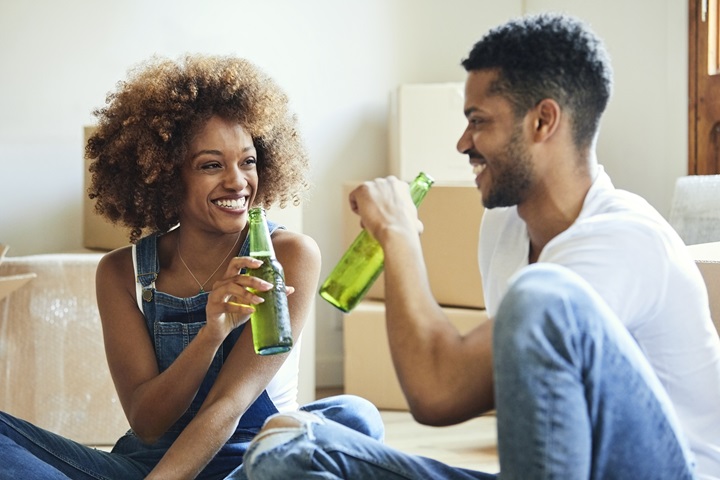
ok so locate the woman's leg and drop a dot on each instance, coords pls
(27, 451)
(575, 396)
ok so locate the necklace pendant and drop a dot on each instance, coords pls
(202, 290)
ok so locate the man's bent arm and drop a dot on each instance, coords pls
(446, 377)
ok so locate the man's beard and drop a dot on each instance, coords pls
(512, 176)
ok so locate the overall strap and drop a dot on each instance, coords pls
(147, 265)
(245, 248)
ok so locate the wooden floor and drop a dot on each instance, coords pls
(472, 444)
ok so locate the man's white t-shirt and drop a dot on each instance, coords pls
(632, 257)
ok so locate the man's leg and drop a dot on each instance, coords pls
(575, 396)
(302, 445)
(351, 411)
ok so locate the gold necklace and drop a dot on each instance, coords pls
(202, 285)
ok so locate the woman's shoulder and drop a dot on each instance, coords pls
(115, 263)
(294, 243)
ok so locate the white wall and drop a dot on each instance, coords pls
(338, 62)
(643, 138)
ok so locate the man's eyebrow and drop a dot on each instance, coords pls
(470, 110)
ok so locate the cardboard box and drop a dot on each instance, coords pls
(98, 233)
(451, 216)
(369, 370)
(424, 125)
(54, 372)
(707, 257)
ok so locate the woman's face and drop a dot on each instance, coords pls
(220, 177)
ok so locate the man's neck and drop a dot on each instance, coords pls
(554, 207)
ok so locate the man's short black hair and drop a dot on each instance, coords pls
(548, 56)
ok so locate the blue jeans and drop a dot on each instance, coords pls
(29, 452)
(575, 399)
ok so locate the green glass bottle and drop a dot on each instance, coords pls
(363, 261)
(271, 328)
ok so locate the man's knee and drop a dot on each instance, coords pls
(538, 290)
(282, 431)
(281, 422)
(289, 422)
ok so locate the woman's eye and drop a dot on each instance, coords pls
(210, 166)
(250, 161)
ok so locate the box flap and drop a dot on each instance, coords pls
(705, 252)
(707, 258)
(11, 283)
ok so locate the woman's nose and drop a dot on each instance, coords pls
(235, 179)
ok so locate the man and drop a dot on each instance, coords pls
(600, 356)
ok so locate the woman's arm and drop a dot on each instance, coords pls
(152, 401)
(245, 374)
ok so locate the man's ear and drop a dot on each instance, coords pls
(546, 118)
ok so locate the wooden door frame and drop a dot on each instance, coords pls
(693, 32)
(703, 88)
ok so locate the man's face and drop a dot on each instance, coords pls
(495, 143)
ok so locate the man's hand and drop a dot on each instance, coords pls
(385, 203)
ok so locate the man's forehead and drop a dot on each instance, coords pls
(480, 81)
(479, 89)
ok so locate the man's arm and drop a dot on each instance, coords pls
(446, 377)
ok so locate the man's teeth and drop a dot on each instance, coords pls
(477, 169)
(234, 203)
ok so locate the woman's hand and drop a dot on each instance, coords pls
(231, 301)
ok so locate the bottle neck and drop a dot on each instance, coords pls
(259, 239)
(420, 187)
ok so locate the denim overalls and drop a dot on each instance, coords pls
(27, 451)
(172, 324)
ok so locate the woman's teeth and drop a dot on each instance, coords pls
(234, 203)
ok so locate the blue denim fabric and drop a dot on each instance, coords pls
(173, 323)
(575, 397)
(329, 450)
(29, 452)
(338, 446)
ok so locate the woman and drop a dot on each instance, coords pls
(182, 150)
